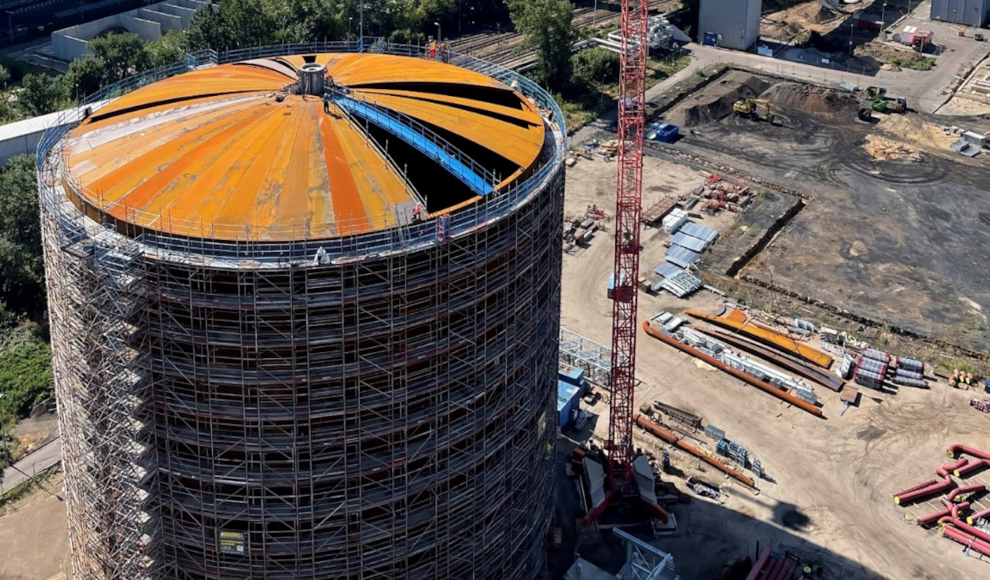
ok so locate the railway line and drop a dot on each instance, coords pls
(504, 48)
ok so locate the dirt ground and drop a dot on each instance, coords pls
(811, 16)
(34, 542)
(833, 478)
(897, 237)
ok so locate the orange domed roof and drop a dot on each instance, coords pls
(237, 152)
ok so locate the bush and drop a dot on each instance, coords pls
(25, 378)
(915, 62)
(596, 66)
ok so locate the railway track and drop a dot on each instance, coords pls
(503, 49)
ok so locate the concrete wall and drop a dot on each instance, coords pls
(968, 12)
(168, 22)
(150, 23)
(736, 21)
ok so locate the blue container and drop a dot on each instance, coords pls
(710, 39)
(667, 133)
(572, 375)
(568, 398)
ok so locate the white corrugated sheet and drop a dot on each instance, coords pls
(22, 137)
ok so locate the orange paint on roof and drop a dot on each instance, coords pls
(234, 153)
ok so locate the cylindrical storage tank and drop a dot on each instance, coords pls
(300, 339)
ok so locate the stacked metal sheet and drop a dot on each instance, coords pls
(690, 242)
(667, 270)
(681, 284)
(708, 235)
(682, 257)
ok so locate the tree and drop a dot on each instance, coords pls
(122, 54)
(40, 94)
(22, 272)
(86, 76)
(4, 76)
(229, 25)
(168, 49)
(596, 65)
(547, 26)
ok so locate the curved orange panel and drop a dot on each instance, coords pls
(228, 152)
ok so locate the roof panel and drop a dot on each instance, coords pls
(233, 152)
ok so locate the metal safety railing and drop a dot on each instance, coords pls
(244, 241)
(430, 136)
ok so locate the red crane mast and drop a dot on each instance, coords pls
(628, 203)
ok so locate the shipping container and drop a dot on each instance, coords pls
(572, 375)
(568, 399)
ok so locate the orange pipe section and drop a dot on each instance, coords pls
(763, 386)
(675, 440)
(733, 321)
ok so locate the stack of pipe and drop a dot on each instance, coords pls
(956, 529)
(768, 567)
(932, 487)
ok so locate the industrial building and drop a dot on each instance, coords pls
(967, 12)
(305, 314)
(731, 24)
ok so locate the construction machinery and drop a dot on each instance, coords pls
(628, 202)
(754, 109)
(881, 103)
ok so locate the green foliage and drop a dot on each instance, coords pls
(596, 66)
(40, 94)
(547, 26)
(168, 49)
(86, 76)
(914, 62)
(122, 55)
(25, 378)
(21, 264)
(230, 25)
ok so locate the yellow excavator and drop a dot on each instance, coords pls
(753, 108)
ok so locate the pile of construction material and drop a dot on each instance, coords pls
(733, 450)
(982, 405)
(962, 380)
(660, 210)
(689, 242)
(674, 220)
(875, 367)
(964, 521)
(579, 230)
(721, 195)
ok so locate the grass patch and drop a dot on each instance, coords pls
(916, 62)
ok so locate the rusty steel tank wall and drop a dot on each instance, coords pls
(382, 408)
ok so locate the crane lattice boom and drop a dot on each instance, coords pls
(628, 201)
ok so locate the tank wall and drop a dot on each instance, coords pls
(382, 418)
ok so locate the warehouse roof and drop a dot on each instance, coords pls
(238, 152)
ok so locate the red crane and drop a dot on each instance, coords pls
(628, 202)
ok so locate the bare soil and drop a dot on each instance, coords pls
(34, 540)
(833, 479)
(811, 16)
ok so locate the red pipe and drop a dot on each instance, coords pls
(982, 536)
(947, 483)
(971, 519)
(944, 515)
(963, 538)
(754, 573)
(972, 466)
(961, 490)
(928, 483)
(959, 448)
